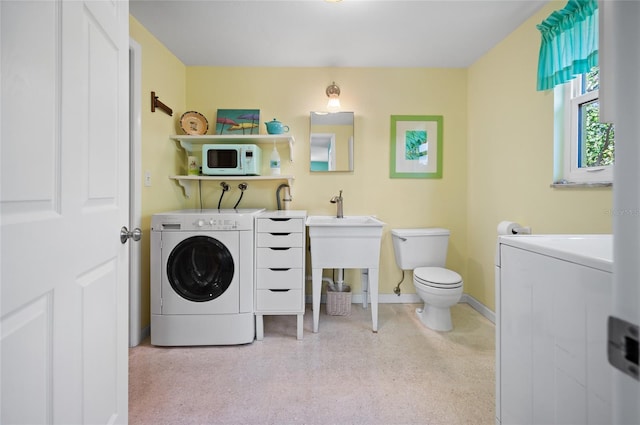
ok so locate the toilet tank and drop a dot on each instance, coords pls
(426, 247)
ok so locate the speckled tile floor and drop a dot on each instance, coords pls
(345, 374)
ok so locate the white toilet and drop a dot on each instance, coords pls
(425, 252)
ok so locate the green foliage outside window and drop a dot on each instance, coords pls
(597, 140)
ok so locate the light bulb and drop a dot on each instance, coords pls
(334, 104)
(333, 93)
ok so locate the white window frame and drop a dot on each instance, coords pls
(567, 101)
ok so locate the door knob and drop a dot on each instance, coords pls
(125, 234)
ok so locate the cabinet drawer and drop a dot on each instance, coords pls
(284, 240)
(279, 258)
(279, 279)
(278, 225)
(279, 300)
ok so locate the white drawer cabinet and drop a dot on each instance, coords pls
(279, 278)
(277, 240)
(280, 247)
(276, 300)
(278, 258)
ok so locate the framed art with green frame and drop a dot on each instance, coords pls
(416, 147)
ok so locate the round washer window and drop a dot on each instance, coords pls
(200, 268)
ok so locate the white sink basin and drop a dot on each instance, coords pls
(349, 242)
(348, 221)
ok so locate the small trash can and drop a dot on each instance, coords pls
(339, 303)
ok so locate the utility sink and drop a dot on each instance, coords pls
(349, 242)
(352, 220)
(352, 242)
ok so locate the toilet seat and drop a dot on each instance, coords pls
(437, 277)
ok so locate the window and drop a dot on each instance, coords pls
(584, 145)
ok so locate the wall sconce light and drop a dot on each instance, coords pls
(333, 93)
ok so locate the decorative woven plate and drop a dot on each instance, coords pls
(194, 123)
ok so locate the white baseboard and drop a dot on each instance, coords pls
(415, 299)
(390, 299)
(479, 307)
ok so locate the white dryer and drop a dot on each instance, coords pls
(202, 275)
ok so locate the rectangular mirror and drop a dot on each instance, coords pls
(331, 141)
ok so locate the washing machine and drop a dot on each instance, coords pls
(202, 275)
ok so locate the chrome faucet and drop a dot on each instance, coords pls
(338, 200)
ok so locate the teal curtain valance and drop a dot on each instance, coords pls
(569, 44)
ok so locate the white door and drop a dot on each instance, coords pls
(63, 199)
(620, 57)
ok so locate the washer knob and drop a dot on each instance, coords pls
(200, 223)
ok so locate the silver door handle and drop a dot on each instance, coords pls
(125, 234)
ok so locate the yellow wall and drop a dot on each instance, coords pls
(289, 94)
(163, 73)
(510, 151)
(498, 149)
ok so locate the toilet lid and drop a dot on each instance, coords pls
(437, 275)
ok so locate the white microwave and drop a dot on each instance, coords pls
(231, 160)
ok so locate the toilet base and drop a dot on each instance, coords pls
(435, 318)
(436, 312)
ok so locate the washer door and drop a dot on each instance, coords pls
(200, 272)
(200, 268)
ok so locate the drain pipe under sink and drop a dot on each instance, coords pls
(328, 281)
(340, 280)
(364, 281)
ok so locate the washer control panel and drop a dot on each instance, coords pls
(205, 220)
(215, 224)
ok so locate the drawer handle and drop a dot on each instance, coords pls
(279, 249)
(279, 219)
(279, 290)
(280, 269)
(280, 234)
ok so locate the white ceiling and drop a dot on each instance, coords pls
(317, 33)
